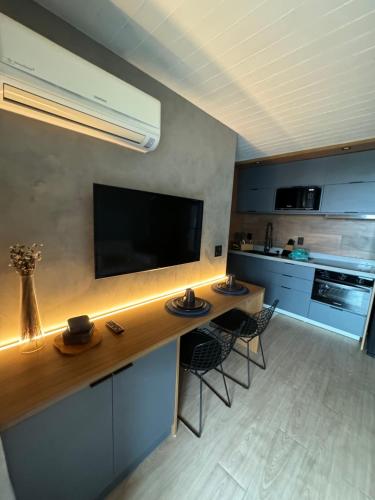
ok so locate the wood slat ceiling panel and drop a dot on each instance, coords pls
(286, 75)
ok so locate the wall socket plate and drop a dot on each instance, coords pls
(218, 250)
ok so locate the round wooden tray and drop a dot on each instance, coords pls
(73, 350)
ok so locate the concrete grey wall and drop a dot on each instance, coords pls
(46, 177)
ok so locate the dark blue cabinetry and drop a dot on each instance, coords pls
(77, 447)
(65, 451)
(348, 183)
(143, 405)
(338, 318)
(353, 197)
(292, 285)
(259, 200)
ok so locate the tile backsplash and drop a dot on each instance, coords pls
(346, 237)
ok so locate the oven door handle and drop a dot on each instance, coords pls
(337, 305)
(337, 308)
(342, 285)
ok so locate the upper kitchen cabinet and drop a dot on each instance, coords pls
(352, 197)
(348, 183)
(254, 177)
(353, 167)
(259, 200)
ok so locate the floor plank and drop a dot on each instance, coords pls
(305, 430)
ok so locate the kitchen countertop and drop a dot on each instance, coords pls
(357, 267)
(31, 382)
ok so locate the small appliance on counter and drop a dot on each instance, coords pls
(300, 254)
(188, 305)
(79, 331)
(289, 247)
(243, 242)
(80, 336)
(230, 287)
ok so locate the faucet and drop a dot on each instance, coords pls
(268, 243)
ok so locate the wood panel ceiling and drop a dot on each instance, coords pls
(286, 75)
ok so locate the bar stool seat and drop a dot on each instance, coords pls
(235, 321)
(246, 327)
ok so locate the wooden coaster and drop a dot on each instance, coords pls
(73, 350)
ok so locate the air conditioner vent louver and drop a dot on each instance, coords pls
(41, 80)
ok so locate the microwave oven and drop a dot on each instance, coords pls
(298, 198)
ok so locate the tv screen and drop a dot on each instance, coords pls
(138, 231)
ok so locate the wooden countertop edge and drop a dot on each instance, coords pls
(85, 382)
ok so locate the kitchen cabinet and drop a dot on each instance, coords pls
(291, 300)
(295, 270)
(353, 197)
(348, 183)
(290, 283)
(143, 406)
(256, 271)
(255, 199)
(336, 317)
(77, 447)
(65, 451)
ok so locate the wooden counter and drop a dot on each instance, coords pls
(31, 382)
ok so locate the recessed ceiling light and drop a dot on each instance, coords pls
(346, 148)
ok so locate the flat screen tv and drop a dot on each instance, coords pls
(138, 230)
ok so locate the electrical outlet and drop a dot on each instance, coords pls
(300, 240)
(218, 250)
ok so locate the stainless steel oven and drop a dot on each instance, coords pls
(345, 291)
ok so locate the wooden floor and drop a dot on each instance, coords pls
(304, 430)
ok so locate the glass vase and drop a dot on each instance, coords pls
(31, 330)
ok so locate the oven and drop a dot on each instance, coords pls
(345, 291)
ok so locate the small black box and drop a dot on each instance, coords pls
(79, 324)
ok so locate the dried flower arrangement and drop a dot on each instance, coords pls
(24, 258)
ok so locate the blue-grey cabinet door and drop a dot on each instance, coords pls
(255, 199)
(294, 301)
(143, 406)
(65, 451)
(353, 197)
(338, 318)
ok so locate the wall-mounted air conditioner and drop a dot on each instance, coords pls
(44, 81)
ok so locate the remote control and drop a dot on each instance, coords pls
(115, 327)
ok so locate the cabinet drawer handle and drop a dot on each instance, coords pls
(99, 381)
(126, 367)
(288, 275)
(251, 211)
(286, 287)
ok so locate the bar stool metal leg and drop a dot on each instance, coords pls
(226, 401)
(245, 385)
(198, 433)
(263, 365)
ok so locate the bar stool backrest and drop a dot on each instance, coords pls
(261, 318)
(208, 355)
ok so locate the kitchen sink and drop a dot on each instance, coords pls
(261, 252)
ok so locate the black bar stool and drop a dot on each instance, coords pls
(202, 350)
(246, 327)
